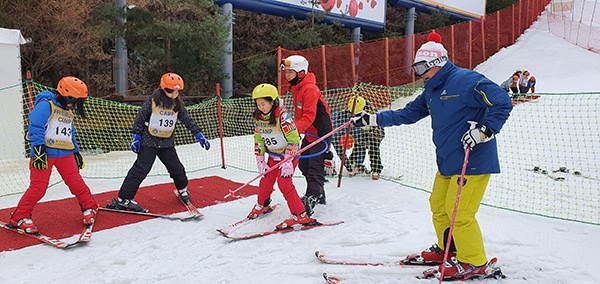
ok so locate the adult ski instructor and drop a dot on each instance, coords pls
(313, 119)
(454, 96)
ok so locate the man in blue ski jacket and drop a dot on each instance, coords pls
(454, 96)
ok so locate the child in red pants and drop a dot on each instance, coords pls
(275, 132)
(53, 143)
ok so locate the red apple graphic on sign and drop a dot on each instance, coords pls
(373, 3)
(327, 5)
(354, 7)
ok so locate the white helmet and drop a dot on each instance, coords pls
(296, 63)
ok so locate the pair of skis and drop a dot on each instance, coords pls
(83, 238)
(410, 261)
(281, 231)
(193, 210)
(564, 170)
(86, 235)
(539, 170)
(226, 232)
(574, 172)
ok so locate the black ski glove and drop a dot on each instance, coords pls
(363, 119)
(40, 158)
(79, 160)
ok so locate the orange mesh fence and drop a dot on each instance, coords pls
(387, 61)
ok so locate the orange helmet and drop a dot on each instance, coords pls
(72, 87)
(171, 81)
(532, 78)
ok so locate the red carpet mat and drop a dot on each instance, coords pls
(62, 218)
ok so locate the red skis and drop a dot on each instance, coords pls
(286, 230)
(84, 237)
(225, 231)
(190, 207)
(404, 262)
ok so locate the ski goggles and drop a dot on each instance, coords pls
(70, 100)
(285, 64)
(422, 67)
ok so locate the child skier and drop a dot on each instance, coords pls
(53, 143)
(514, 84)
(153, 135)
(372, 137)
(276, 134)
(532, 84)
(524, 82)
(354, 165)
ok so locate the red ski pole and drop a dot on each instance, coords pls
(220, 118)
(458, 192)
(30, 96)
(232, 192)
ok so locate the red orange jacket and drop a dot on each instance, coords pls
(311, 112)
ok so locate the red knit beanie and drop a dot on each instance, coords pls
(435, 37)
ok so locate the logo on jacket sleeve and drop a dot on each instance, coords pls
(287, 124)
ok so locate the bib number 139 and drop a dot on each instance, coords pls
(166, 122)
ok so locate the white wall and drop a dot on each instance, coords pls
(11, 110)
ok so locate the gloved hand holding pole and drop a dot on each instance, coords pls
(276, 166)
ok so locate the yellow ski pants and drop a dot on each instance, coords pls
(466, 234)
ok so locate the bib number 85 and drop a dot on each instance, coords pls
(270, 141)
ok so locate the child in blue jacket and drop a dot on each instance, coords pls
(53, 144)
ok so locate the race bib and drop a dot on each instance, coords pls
(59, 130)
(162, 121)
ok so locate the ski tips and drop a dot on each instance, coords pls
(331, 279)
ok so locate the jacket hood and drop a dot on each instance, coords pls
(44, 96)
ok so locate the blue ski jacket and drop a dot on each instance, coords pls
(38, 119)
(452, 97)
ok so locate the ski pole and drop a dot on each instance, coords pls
(220, 120)
(354, 98)
(458, 192)
(232, 192)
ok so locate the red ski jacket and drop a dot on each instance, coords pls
(312, 114)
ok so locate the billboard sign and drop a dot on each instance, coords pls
(561, 6)
(459, 9)
(367, 14)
